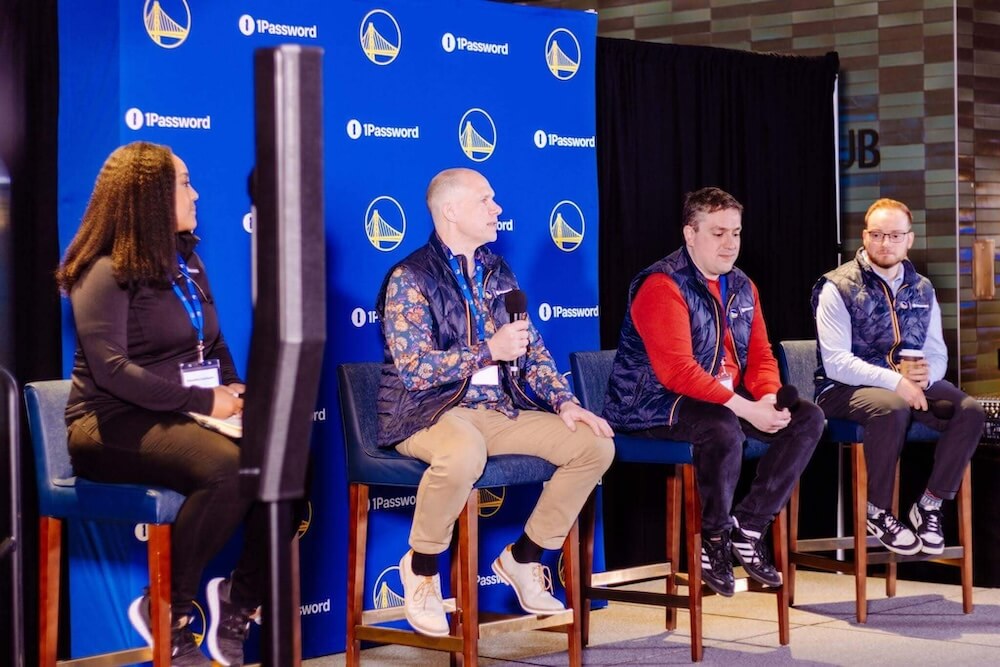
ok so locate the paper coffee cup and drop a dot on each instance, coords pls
(911, 355)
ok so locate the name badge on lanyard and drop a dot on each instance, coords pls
(200, 373)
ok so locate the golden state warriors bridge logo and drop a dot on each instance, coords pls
(567, 226)
(385, 223)
(380, 37)
(388, 589)
(477, 135)
(562, 54)
(168, 22)
(490, 501)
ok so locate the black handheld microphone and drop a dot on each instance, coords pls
(942, 409)
(516, 303)
(787, 397)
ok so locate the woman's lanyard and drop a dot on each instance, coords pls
(463, 284)
(192, 304)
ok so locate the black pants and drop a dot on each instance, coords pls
(162, 449)
(717, 436)
(885, 417)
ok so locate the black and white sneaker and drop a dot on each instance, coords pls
(927, 523)
(717, 564)
(751, 551)
(893, 534)
(184, 651)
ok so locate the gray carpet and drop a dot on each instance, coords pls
(922, 625)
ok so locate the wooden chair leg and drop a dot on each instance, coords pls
(692, 513)
(673, 530)
(571, 577)
(49, 557)
(779, 536)
(468, 563)
(587, 523)
(357, 540)
(965, 537)
(793, 542)
(860, 496)
(158, 550)
(891, 566)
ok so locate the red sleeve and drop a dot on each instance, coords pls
(761, 374)
(662, 319)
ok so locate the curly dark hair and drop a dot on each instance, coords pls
(131, 216)
(707, 200)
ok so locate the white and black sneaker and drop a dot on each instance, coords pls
(927, 523)
(893, 534)
(717, 564)
(751, 551)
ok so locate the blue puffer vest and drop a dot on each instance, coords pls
(636, 400)
(402, 412)
(881, 324)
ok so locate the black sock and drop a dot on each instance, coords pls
(526, 551)
(425, 565)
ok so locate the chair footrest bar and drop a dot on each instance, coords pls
(946, 558)
(502, 625)
(377, 616)
(407, 638)
(631, 575)
(638, 597)
(127, 657)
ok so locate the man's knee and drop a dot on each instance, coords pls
(810, 420)
(970, 411)
(603, 452)
(461, 465)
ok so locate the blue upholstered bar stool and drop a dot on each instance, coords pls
(369, 465)
(62, 496)
(591, 371)
(797, 363)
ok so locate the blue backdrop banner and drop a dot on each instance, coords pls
(410, 87)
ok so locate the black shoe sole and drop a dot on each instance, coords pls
(753, 575)
(726, 593)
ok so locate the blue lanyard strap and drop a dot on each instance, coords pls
(723, 292)
(463, 284)
(192, 304)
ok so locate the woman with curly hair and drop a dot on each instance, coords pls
(147, 337)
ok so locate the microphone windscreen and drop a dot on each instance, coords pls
(942, 409)
(516, 302)
(787, 397)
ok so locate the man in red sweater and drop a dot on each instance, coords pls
(694, 363)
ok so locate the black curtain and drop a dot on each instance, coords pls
(29, 100)
(672, 119)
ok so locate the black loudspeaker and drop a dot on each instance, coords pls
(289, 281)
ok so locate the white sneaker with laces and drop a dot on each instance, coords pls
(532, 583)
(422, 600)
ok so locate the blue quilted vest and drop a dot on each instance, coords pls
(636, 400)
(402, 412)
(881, 324)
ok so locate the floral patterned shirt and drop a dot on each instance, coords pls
(408, 330)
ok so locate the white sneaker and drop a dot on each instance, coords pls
(531, 582)
(422, 600)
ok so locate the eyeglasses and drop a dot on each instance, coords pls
(894, 237)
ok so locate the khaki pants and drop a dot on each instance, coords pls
(456, 448)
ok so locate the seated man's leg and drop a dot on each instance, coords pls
(456, 453)
(777, 473)
(717, 438)
(959, 438)
(582, 457)
(884, 416)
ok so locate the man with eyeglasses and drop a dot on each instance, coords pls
(868, 311)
